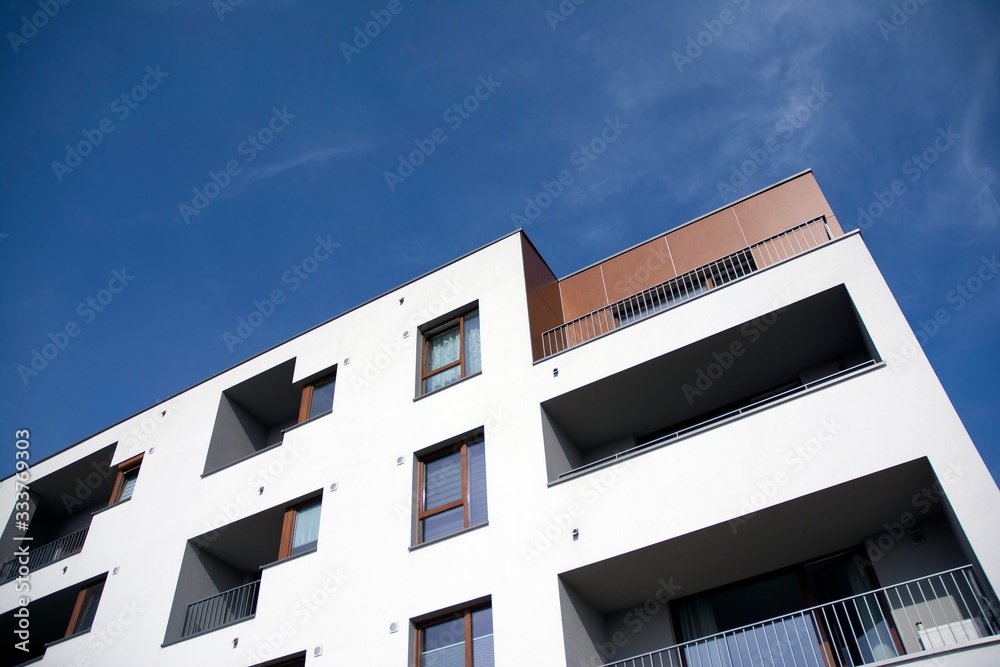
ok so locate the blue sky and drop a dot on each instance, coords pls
(167, 163)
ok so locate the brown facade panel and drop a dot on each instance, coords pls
(582, 293)
(706, 240)
(638, 269)
(541, 319)
(544, 301)
(782, 207)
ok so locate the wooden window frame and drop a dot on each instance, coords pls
(288, 525)
(466, 616)
(461, 446)
(124, 468)
(435, 331)
(78, 608)
(307, 394)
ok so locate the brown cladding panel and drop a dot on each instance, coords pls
(704, 241)
(638, 269)
(582, 293)
(544, 301)
(835, 227)
(783, 207)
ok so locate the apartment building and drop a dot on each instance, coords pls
(722, 447)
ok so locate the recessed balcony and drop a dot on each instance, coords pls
(221, 570)
(946, 609)
(748, 367)
(253, 416)
(857, 574)
(61, 508)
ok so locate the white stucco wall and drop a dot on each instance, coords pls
(364, 577)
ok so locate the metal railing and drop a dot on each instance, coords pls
(677, 290)
(46, 554)
(725, 416)
(228, 607)
(944, 609)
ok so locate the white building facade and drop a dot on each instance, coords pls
(720, 447)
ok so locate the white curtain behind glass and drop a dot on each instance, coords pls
(306, 526)
(472, 348)
(444, 349)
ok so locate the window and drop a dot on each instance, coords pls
(317, 398)
(85, 608)
(452, 490)
(451, 352)
(300, 530)
(128, 473)
(463, 639)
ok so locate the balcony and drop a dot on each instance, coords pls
(776, 357)
(252, 417)
(39, 557)
(61, 506)
(941, 610)
(869, 570)
(677, 290)
(232, 606)
(54, 617)
(221, 570)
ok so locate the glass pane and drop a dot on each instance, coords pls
(322, 398)
(442, 480)
(89, 608)
(443, 349)
(477, 482)
(482, 622)
(306, 531)
(445, 523)
(442, 379)
(128, 484)
(443, 644)
(443, 634)
(482, 637)
(482, 651)
(451, 656)
(472, 361)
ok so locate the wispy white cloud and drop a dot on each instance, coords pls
(310, 156)
(981, 175)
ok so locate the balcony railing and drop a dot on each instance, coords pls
(232, 606)
(714, 420)
(944, 609)
(39, 557)
(677, 290)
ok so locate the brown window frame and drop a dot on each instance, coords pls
(465, 614)
(307, 394)
(435, 331)
(288, 525)
(81, 596)
(461, 446)
(124, 468)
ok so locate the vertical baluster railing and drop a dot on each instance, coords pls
(222, 609)
(945, 609)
